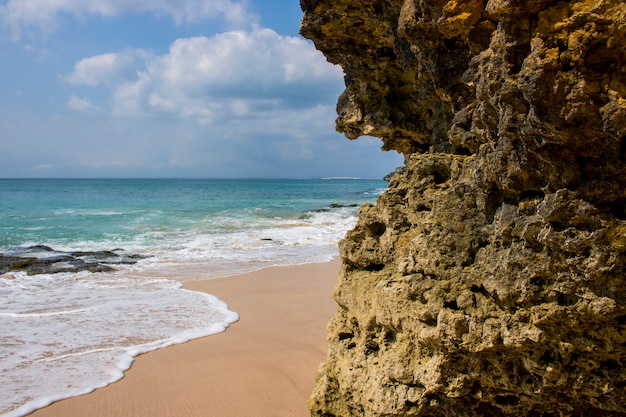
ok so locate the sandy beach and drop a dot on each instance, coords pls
(263, 365)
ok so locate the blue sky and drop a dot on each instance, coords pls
(170, 88)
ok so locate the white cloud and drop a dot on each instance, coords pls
(237, 74)
(129, 97)
(109, 69)
(244, 63)
(20, 15)
(82, 105)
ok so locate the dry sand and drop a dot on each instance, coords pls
(263, 365)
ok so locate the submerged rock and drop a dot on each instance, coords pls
(49, 261)
(490, 279)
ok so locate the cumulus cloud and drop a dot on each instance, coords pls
(20, 15)
(245, 64)
(247, 102)
(255, 97)
(109, 69)
(233, 74)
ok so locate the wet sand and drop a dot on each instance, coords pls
(264, 365)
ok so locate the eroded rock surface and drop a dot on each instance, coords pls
(490, 278)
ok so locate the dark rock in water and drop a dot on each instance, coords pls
(65, 264)
(330, 207)
(92, 261)
(108, 257)
(336, 205)
(14, 263)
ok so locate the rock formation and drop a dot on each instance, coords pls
(41, 259)
(490, 277)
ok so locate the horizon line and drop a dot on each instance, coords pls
(195, 178)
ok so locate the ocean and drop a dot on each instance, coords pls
(66, 330)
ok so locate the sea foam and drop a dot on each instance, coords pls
(64, 335)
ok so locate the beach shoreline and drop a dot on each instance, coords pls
(262, 365)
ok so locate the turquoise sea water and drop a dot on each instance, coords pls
(65, 334)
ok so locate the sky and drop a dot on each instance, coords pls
(170, 88)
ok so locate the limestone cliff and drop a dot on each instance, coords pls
(490, 278)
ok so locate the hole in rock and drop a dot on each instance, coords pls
(411, 404)
(422, 207)
(452, 305)
(493, 200)
(430, 321)
(377, 228)
(537, 280)
(532, 195)
(616, 208)
(450, 44)
(345, 335)
(371, 346)
(534, 383)
(441, 175)
(375, 267)
(462, 150)
(610, 364)
(547, 358)
(516, 54)
(566, 299)
(479, 290)
(387, 53)
(558, 226)
(390, 337)
(507, 400)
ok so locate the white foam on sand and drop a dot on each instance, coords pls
(65, 335)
